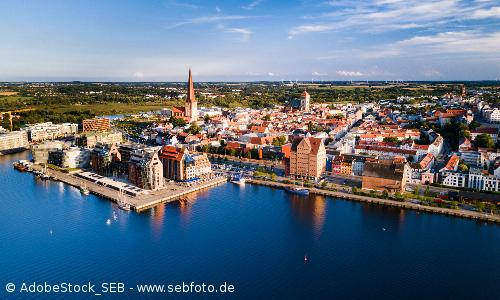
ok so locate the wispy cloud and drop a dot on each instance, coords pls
(457, 42)
(272, 74)
(138, 75)
(181, 4)
(319, 74)
(386, 15)
(252, 5)
(217, 9)
(429, 72)
(493, 12)
(212, 19)
(245, 33)
(344, 73)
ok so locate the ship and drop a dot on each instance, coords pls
(297, 190)
(238, 179)
(21, 165)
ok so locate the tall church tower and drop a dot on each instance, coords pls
(191, 105)
(304, 101)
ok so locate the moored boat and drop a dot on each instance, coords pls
(20, 167)
(238, 179)
(297, 190)
(83, 189)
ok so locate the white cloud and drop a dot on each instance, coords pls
(217, 9)
(386, 15)
(456, 42)
(138, 75)
(429, 72)
(344, 73)
(250, 73)
(493, 12)
(175, 3)
(213, 19)
(319, 74)
(252, 5)
(272, 74)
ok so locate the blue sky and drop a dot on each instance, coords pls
(252, 40)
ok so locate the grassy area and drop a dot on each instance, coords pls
(8, 93)
(109, 108)
(14, 98)
(431, 194)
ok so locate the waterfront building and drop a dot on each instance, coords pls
(481, 180)
(13, 142)
(90, 139)
(307, 158)
(179, 165)
(103, 156)
(46, 131)
(384, 177)
(145, 169)
(70, 158)
(453, 178)
(98, 124)
(347, 166)
(40, 151)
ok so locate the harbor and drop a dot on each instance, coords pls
(119, 192)
(382, 202)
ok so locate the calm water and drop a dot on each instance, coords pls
(252, 237)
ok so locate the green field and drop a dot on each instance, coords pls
(14, 98)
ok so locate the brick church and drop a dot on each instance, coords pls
(190, 111)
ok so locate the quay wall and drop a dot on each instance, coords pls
(382, 202)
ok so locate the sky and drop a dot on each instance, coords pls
(254, 40)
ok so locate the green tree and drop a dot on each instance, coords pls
(267, 117)
(194, 129)
(385, 194)
(415, 191)
(391, 139)
(464, 134)
(310, 126)
(248, 155)
(354, 190)
(323, 184)
(398, 195)
(427, 190)
(273, 177)
(206, 118)
(410, 158)
(480, 206)
(484, 141)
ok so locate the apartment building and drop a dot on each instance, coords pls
(307, 158)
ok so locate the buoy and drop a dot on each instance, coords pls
(306, 257)
(51, 232)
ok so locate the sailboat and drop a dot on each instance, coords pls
(121, 203)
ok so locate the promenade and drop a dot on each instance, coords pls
(403, 205)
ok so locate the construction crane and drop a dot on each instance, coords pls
(11, 111)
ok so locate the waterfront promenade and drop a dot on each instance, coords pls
(171, 191)
(403, 205)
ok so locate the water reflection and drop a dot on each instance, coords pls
(309, 211)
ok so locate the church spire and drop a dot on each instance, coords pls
(190, 92)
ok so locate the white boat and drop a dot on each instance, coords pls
(238, 179)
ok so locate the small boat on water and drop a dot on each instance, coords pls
(297, 190)
(238, 179)
(83, 189)
(21, 165)
(124, 206)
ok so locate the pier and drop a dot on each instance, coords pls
(466, 214)
(138, 201)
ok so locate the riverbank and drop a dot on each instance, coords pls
(138, 202)
(403, 205)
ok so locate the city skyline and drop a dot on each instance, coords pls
(251, 40)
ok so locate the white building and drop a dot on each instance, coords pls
(13, 141)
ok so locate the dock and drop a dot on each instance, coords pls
(465, 214)
(141, 200)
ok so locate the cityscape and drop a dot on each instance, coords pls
(271, 150)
